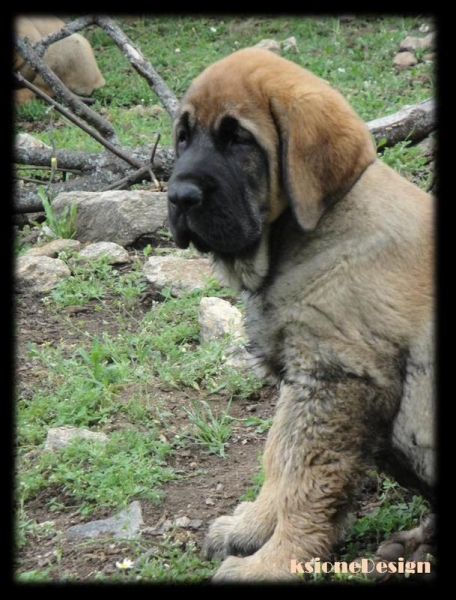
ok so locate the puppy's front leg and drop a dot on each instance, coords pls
(321, 442)
(252, 523)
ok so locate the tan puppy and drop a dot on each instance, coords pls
(278, 178)
(71, 59)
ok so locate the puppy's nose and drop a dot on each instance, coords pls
(185, 195)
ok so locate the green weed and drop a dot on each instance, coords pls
(94, 280)
(62, 226)
(210, 430)
(393, 513)
(128, 466)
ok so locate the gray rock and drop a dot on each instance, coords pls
(268, 44)
(238, 357)
(27, 141)
(115, 253)
(187, 523)
(218, 318)
(412, 44)
(115, 216)
(39, 274)
(164, 527)
(405, 60)
(53, 248)
(290, 45)
(429, 41)
(428, 147)
(59, 437)
(182, 522)
(177, 273)
(195, 523)
(45, 233)
(125, 524)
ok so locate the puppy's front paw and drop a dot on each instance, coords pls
(252, 569)
(216, 544)
(241, 534)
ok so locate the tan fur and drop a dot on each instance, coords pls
(347, 312)
(71, 59)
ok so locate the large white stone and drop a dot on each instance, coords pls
(113, 252)
(59, 437)
(115, 216)
(218, 318)
(39, 273)
(177, 273)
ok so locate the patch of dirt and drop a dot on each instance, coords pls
(208, 485)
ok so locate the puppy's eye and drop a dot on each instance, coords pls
(182, 137)
(242, 136)
(231, 132)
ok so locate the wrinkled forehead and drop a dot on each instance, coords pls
(211, 98)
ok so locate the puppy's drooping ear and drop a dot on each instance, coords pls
(324, 147)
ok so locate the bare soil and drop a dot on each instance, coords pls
(208, 485)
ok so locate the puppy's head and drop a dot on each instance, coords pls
(256, 133)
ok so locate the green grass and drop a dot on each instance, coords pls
(395, 512)
(95, 280)
(162, 347)
(210, 430)
(96, 475)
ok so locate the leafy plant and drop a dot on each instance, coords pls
(63, 226)
(259, 425)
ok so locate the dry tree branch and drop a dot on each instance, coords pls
(46, 168)
(74, 119)
(70, 159)
(410, 123)
(63, 94)
(139, 174)
(129, 179)
(139, 63)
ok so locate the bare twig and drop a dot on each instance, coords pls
(140, 174)
(69, 28)
(154, 149)
(62, 93)
(29, 180)
(152, 156)
(74, 119)
(139, 63)
(129, 179)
